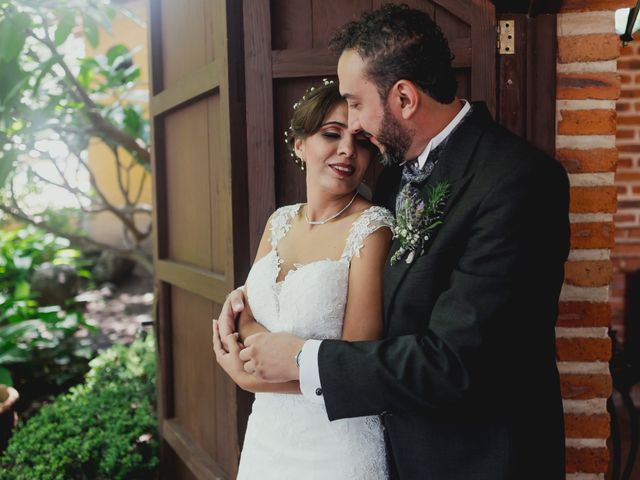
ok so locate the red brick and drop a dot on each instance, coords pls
(582, 6)
(587, 460)
(588, 85)
(623, 106)
(625, 162)
(587, 122)
(630, 93)
(637, 78)
(584, 387)
(624, 78)
(587, 426)
(592, 235)
(622, 190)
(631, 264)
(588, 48)
(584, 314)
(583, 349)
(628, 248)
(624, 218)
(593, 199)
(629, 148)
(631, 120)
(589, 273)
(585, 161)
(625, 134)
(629, 64)
(627, 177)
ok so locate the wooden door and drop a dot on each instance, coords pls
(201, 240)
(286, 52)
(225, 74)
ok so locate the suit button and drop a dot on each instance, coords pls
(318, 391)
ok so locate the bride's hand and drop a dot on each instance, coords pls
(233, 305)
(230, 360)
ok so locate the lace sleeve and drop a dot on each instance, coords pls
(281, 222)
(371, 220)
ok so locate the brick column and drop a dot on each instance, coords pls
(588, 87)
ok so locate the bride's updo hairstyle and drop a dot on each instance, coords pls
(308, 114)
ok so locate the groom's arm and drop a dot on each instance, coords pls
(521, 230)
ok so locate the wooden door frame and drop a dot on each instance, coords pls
(216, 75)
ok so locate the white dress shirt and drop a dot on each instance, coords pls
(309, 373)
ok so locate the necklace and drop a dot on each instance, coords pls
(322, 222)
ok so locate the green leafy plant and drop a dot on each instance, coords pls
(54, 104)
(105, 428)
(38, 341)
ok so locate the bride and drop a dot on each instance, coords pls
(317, 274)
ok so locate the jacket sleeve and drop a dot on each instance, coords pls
(518, 242)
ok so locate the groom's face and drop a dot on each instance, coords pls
(367, 112)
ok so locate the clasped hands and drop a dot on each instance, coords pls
(267, 357)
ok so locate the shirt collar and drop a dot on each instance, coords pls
(444, 133)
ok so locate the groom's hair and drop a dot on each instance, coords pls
(397, 42)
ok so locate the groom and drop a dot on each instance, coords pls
(465, 378)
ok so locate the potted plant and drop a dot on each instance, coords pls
(8, 416)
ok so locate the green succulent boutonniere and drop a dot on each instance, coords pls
(417, 220)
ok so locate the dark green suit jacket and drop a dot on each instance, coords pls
(466, 377)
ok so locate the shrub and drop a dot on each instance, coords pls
(38, 341)
(104, 428)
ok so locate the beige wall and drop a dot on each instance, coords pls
(105, 227)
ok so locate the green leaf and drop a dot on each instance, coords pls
(5, 377)
(23, 289)
(12, 36)
(65, 26)
(90, 28)
(7, 164)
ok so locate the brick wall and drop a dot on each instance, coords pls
(626, 254)
(587, 89)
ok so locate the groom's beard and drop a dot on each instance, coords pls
(395, 139)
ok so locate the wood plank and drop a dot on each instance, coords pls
(318, 62)
(309, 62)
(462, 51)
(189, 88)
(541, 83)
(199, 462)
(200, 281)
(512, 79)
(483, 55)
(460, 8)
(326, 22)
(292, 24)
(259, 117)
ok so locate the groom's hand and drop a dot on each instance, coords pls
(271, 356)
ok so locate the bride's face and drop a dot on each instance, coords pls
(335, 159)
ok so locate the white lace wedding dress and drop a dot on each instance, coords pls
(288, 437)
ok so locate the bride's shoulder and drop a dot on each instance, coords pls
(377, 214)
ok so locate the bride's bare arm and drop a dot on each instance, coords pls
(364, 316)
(247, 325)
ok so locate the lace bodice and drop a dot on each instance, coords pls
(288, 437)
(310, 301)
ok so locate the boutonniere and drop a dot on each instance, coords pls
(417, 220)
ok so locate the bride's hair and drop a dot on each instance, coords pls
(309, 112)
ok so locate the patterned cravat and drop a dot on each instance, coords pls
(413, 176)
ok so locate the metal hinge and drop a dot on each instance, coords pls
(506, 37)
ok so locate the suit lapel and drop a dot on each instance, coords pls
(455, 167)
